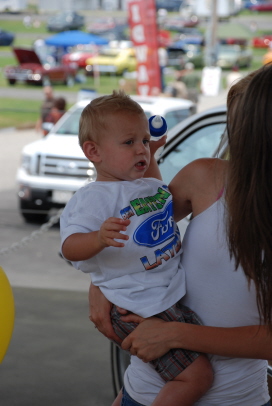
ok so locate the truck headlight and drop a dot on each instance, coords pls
(25, 162)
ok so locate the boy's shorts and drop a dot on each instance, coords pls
(174, 361)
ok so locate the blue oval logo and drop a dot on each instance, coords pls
(156, 229)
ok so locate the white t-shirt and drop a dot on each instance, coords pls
(221, 297)
(145, 276)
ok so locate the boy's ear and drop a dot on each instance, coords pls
(91, 151)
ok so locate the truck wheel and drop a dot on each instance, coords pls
(12, 81)
(30, 214)
(119, 362)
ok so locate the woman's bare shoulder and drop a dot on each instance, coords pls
(203, 169)
(198, 185)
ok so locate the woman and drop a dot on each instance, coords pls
(227, 259)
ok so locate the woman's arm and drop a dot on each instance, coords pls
(154, 337)
(99, 313)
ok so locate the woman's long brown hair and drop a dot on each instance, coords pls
(249, 189)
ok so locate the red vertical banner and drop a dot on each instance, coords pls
(144, 35)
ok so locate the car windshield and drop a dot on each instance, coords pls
(112, 53)
(71, 124)
(202, 143)
(229, 49)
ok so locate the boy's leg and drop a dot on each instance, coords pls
(189, 386)
(188, 375)
(121, 328)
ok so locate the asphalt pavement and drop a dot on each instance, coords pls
(56, 357)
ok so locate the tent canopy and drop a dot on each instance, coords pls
(72, 38)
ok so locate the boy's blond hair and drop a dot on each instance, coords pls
(93, 119)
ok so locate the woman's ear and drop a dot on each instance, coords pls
(91, 151)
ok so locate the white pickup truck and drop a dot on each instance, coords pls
(54, 167)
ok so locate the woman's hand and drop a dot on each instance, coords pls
(155, 145)
(149, 340)
(99, 313)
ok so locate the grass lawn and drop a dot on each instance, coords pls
(15, 113)
(18, 27)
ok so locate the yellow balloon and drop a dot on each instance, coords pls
(7, 313)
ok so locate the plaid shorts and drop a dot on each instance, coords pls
(175, 361)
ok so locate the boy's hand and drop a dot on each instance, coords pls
(155, 145)
(111, 230)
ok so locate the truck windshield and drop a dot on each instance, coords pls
(71, 125)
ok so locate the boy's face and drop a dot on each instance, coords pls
(124, 147)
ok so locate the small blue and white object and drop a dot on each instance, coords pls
(157, 128)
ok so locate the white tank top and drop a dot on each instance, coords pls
(221, 297)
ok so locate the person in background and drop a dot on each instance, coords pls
(56, 112)
(46, 106)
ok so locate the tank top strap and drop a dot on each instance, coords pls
(220, 193)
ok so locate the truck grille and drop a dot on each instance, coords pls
(48, 165)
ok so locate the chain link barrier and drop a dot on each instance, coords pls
(35, 234)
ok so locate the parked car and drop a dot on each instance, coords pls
(181, 24)
(248, 4)
(179, 53)
(78, 58)
(31, 69)
(234, 55)
(264, 6)
(169, 5)
(113, 61)
(118, 33)
(262, 42)
(69, 20)
(101, 24)
(54, 167)
(6, 38)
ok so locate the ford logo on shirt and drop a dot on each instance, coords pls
(156, 229)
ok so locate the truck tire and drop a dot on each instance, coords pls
(12, 81)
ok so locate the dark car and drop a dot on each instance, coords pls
(31, 69)
(180, 52)
(66, 21)
(6, 38)
(169, 5)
